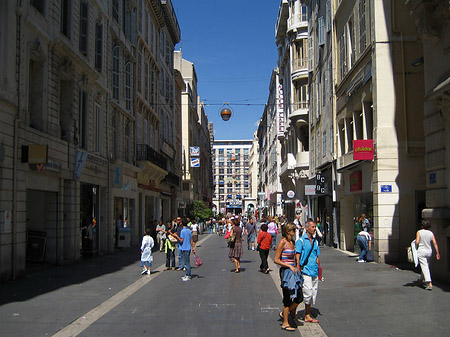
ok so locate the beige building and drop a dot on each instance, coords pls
(86, 107)
(291, 34)
(431, 20)
(196, 184)
(377, 93)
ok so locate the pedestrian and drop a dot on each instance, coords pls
(290, 276)
(424, 239)
(307, 257)
(160, 235)
(264, 241)
(194, 229)
(236, 251)
(319, 234)
(146, 252)
(185, 238)
(169, 246)
(365, 223)
(178, 244)
(273, 231)
(364, 240)
(298, 226)
(250, 232)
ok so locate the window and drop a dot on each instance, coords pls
(84, 28)
(115, 143)
(351, 41)
(146, 74)
(139, 16)
(324, 143)
(310, 54)
(328, 15)
(97, 125)
(362, 26)
(98, 46)
(115, 72)
(35, 95)
(321, 34)
(342, 55)
(82, 119)
(115, 10)
(65, 110)
(39, 5)
(127, 137)
(147, 23)
(139, 128)
(128, 86)
(65, 17)
(304, 13)
(324, 87)
(139, 70)
(153, 89)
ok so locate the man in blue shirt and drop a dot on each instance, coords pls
(185, 239)
(307, 257)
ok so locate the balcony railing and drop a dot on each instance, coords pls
(300, 105)
(172, 178)
(146, 153)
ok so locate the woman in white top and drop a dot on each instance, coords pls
(194, 229)
(424, 239)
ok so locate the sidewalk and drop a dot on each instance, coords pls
(371, 299)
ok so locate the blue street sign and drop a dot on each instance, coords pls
(386, 188)
(195, 162)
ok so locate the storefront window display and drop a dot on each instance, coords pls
(363, 219)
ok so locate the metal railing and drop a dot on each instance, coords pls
(145, 152)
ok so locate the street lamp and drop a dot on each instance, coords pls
(225, 112)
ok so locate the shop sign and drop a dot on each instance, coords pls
(117, 175)
(356, 181)
(310, 189)
(37, 153)
(195, 162)
(363, 149)
(290, 194)
(432, 178)
(195, 151)
(320, 183)
(7, 228)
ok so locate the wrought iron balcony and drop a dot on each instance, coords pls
(173, 179)
(146, 153)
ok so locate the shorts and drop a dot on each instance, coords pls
(251, 237)
(310, 285)
(195, 238)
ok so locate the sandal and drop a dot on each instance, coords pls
(312, 320)
(288, 328)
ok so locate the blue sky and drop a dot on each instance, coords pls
(232, 45)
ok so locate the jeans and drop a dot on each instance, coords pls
(362, 242)
(186, 260)
(180, 259)
(263, 254)
(170, 256)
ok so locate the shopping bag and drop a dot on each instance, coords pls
(369, 256)
(198, 261)
(409, 254)
(320, 273)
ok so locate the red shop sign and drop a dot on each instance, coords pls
(356, 181)
(363, 149)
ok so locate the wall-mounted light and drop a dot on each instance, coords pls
(417, 62)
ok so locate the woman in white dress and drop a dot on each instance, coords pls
(424, 239)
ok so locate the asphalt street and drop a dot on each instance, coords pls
(107, 296)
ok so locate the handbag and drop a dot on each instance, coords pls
(369, 256)
(231, 240)
(198, 260)
(227, 235)
(409, 254)
(321, 273)
(172, 239)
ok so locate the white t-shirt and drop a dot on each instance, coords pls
(426, 240)
(194, 227)
(367, 235)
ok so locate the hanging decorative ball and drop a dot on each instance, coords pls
(225, 112)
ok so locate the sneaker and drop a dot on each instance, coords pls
(361, 261)
(184, 269)
(185, 278)
(428, 287)
(148, 272)
(144, 272)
